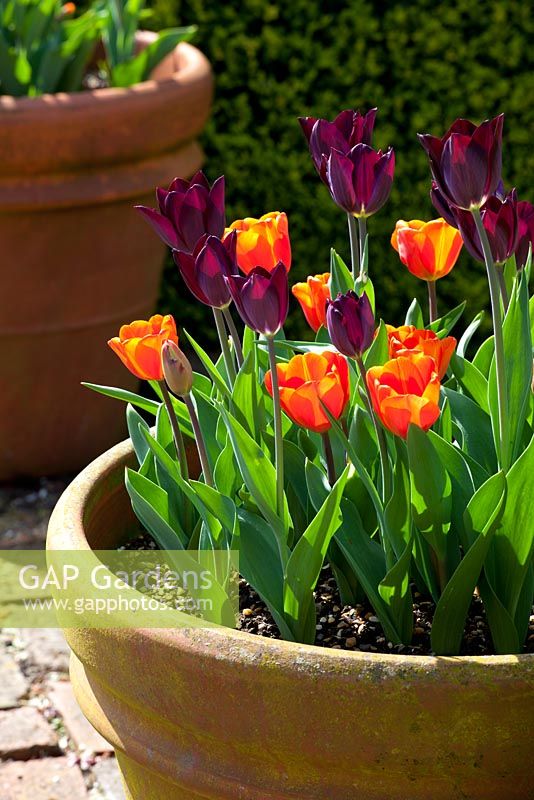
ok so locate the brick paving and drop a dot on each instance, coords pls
(48, 751)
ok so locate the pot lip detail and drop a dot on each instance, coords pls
(66, 531)
(192, 65)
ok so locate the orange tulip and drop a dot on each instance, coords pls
(407, 339)
(312, 296)
(139, 344)
(404, 392)
(308, 380)
(429, 249)
(262, 242)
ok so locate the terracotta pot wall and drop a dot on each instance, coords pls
(76, 259)
(224, 715)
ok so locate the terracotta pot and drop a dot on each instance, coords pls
(77, 260)
(225, 715)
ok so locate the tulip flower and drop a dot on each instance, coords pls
(351, 323)
(312, 296)
(203, 270)
(360, 181)
(429, 249)
(442, 206)
(187, 211)
(306, 382)
(262, 242)
(407, 339)
(525, 216)
(139, 344)
(261, 298)
(466, 162)
(500, 221)
(348, 129)
(404, 392)
(177, 369)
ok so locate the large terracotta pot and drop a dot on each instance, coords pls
(225, 715)
(77, 261)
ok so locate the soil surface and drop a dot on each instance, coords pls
(345, 627)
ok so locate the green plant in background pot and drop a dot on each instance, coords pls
(93, 112)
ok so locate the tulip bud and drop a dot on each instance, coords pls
(350, 322)
(177, 370)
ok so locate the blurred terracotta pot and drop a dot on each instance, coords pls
(77, 261)
(223, 715)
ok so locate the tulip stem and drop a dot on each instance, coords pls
(235, 336)
(364, 256)
(381, 439)
(329, 458)
(199, 438)
(500, 367)
(432, 301)
(176, 432)
(278, 437)
(225, 348)
(354, 246)
(502, 286)
(180, 452)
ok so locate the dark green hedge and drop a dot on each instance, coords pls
(423, 64)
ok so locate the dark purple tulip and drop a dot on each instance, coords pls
(187, 211)
(351, 323)
(500, 220)
(347, 130)
(466, 163)
(261, 298)
(203, 270)
(360, 181)
(441, 205)
(525, 215)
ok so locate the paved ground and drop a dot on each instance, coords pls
(48, 751)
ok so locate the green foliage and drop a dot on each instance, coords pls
(44, 48)
(423, 64)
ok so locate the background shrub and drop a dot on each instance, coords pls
(423, 64)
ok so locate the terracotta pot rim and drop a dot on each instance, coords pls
(193, 66)
(66, 531)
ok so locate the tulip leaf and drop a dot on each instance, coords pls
(398, 509)
(367, 560)
(259, 475)
(501, 624)
(518, 359)
(482, 516)
(128, 397)
(306, 561)
(317, 485)
(414, 315)
(443, 326)
(471, 380)
(341, 280)
(484, 355)
(210, 367)
(134, 422)
(394, 589)
(248, 398)
(261, 566)
(151, 505)
(468, 334)
(378, 353)
(431, 491)
(475, 428)
(226, 474)
(512, 547)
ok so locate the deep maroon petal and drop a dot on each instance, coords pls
(460, 125)
(495, 158)
(362, 130)
(186, 264)
(179, 185)
(200, 179)
(467, 227)
(441, 205)
(433, 148)
(210, 268)
(307, 123)
(191, 224)
(339, 174)
(215, 211)
(383, 181)
(280, 285)
(525, 214)
(465, 170)
(364, 159)
(161, 225)
(326, 136)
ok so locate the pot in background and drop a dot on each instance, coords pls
(77, 260)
